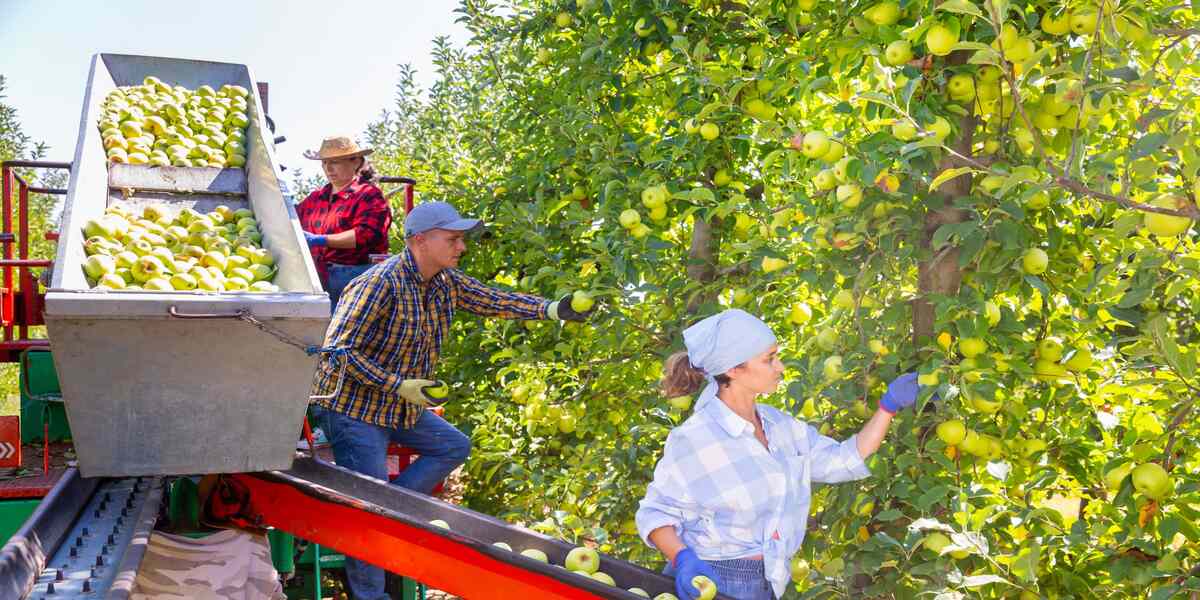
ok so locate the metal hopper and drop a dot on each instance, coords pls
(162, 383)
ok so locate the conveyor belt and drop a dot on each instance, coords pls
(355, 515)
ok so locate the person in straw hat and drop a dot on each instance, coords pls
(346, 220)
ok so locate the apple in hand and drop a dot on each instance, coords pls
(708, 589)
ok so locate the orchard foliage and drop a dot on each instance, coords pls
(998, 194)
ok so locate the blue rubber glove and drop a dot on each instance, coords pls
(315, 239)
(901, 393)
(687, 567)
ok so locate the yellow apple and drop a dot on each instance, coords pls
(940, 40)
(1168, 225)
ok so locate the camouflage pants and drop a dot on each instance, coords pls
(229, 564)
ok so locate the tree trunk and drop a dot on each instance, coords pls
(940, 274)
(702, 258)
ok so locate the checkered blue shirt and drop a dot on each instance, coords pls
(729, 497)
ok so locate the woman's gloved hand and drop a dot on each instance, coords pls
(688, 566)
(901, 393)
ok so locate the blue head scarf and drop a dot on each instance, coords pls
(722, 342)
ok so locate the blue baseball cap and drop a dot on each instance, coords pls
(436, 215)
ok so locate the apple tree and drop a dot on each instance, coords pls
(998, 194)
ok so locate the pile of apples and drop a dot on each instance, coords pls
(162, 125)
(585, 562)
(153, 249)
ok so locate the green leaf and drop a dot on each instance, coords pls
(1041, 286)
(1147, 145)
(960, 6)
(1126, 74)
(1165, 340)
(979, 580)
(922, 143)
(949, 174)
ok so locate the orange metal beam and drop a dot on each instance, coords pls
(437, 560)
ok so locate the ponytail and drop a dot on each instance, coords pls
(680, 377)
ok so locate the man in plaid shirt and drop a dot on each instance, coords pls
(389, 328)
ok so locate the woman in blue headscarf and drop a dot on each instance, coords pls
(730, 497)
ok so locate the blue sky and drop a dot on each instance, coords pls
(332, 66)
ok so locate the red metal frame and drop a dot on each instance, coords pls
(25, 294)
(435, 560)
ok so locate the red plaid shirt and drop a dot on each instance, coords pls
(361, 207)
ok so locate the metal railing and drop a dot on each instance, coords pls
(26, 295)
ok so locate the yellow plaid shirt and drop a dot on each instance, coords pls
(390, 323)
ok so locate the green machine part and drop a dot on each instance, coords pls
(41, 399)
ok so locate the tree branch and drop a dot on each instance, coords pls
(1083, 190)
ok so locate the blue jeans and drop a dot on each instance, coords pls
(740, 578)
(362, 448)
(339, 278)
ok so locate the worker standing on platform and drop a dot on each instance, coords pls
(346, 220)
(387, 331)
(730, 497)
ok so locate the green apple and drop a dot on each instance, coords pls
(951, 432)
(236, 284)
(158, 284)
(1084, 22)
(183, 281)
(1050, 349)
(213, 258)
(1152, 481)
(1050, 371)
(1168, 225)
(771, 264)
(844, 299)
(111, 281)
(263, 287)
(535, 554)
(440, 523)
(147, 268)
(637, 591)
(898, 53)
(209, 284)
(629, 218)
(800, 314)
(710, 131)
(263, 257)
(583, 559)
(260, 272)
(706, 586)
(503, 546)
(582, 301)
(940, 40)
(904, 130)
(815, 144)
(827, 339)
(1035, 261)
(1080, 361)
(884, 13)
(98, 265)
(849, 195)
(603, 577)
(940, 129)
(832, 368)
(654, 196)
(836, 151)
(1113, 477)
(680, 402)
(825, 180)
(961, 87)
(971, 346)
